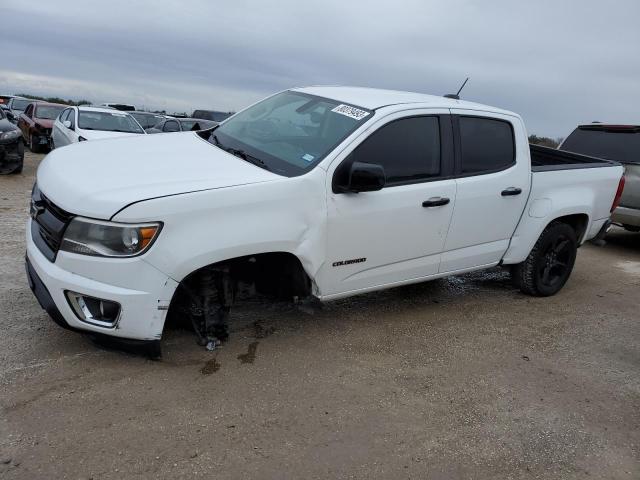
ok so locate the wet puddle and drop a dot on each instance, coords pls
(250, 356)
(211, 366)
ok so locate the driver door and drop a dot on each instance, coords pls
(396, 234)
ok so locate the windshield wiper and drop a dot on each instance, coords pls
(249, 158)
(240, 154)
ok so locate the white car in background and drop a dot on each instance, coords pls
(76, 124)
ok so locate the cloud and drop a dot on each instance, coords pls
(555, 63)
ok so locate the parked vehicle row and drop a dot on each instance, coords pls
(322, 192)
(169, 124)
(78, 124)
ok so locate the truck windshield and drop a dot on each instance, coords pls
(108, 122)
(289, 133)
(619, 143)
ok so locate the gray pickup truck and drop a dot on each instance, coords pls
(622, 144)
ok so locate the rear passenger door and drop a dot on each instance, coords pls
(493, 180)
(395, 234)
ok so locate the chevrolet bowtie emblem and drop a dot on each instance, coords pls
(35, 209)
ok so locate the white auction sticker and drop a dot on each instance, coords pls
(351, 112)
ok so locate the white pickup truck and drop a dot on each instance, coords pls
(319, 192)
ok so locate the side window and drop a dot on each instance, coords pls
(63, 116)
(171, 126)
(72, 117)
(29, 110)
(408, 149)
(487, 145)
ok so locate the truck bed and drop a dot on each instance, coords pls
(544, 159)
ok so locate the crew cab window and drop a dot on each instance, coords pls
(487, 145)
(408, 149)
(171, 126)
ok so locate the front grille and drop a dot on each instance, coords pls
(48, 224)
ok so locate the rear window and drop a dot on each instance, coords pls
(48, 112)
(487, 145)
(621, 145)
(108, 122)
(147, 120)
(20, 104)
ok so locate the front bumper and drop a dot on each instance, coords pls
(627, 216)
(143, 292)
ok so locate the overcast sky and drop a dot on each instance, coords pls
(557, 63)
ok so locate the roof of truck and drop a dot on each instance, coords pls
(373, 98)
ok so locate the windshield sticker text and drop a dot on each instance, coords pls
(351, 112)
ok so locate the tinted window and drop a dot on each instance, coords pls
(487, 144)
(408, 149)
(171, 126)
(620, 144)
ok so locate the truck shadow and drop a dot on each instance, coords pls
(622, 241)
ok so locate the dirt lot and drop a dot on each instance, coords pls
(458, 378)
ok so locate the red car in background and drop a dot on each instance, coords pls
(36, 123)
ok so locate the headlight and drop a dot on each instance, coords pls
(108, 239)
(10, 135)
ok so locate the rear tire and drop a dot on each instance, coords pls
(550, 262)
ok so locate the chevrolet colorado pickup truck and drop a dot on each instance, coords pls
(318, 193)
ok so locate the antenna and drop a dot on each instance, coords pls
(456, 96)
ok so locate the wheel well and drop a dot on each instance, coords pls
(277, 274)
(578, 222)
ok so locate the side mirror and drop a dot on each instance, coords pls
(366, 177)
(67, 123)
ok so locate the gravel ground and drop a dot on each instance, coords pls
(457, 378)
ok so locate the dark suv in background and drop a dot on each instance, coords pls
(11, 146)
(211, 115)
(622, 144)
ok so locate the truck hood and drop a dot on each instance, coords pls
(100, 177)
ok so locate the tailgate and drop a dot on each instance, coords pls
(631, 194)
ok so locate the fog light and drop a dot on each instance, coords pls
(96, 311)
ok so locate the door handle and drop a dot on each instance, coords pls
(435, 202)
(511, 191)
